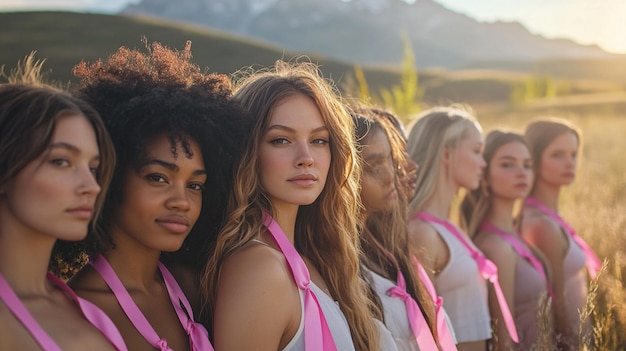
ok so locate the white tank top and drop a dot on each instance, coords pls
(464, 291)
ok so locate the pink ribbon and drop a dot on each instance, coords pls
(198, 336)
(445, 336)
(420, 329)
(521, 250)
(487, 269)
(591, 260)
(90, 311)
(317, 335)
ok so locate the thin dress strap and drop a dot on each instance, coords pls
(317, 335)
(487, 269)
(521, 250)
(591, 260)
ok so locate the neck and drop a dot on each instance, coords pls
(439, 204)
(134, 264)
(24, 261)
(501, 214)
(547, 194)
(285, 216)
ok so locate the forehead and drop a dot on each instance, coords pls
(512, 149)
(297, 112)
(567, 140)
(160, 147)
(375, 142)
(75, 129)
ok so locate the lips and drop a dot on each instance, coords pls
(304, 180)
(81, 212)
(174, 224)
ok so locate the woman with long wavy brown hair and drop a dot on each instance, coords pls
(289, 249)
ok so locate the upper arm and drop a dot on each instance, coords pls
(256, 297)
(428, 246)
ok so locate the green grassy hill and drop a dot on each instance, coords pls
(66, 38)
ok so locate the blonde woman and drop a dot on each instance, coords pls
(285, 273)
(447, 145)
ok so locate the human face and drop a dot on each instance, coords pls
(54, 195)
(510, 171)
(294, 154)
(468, 162)
(378, 189)
(558, 160)
(162, 201)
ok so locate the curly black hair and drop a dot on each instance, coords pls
(141, 95)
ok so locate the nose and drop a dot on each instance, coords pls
(483, 164)
(304, 158)
(178, 199)
(88, 184)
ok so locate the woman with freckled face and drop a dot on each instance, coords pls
(488, 214)
(554, 147)
(55, 159)
(285, 272)
(170, 124)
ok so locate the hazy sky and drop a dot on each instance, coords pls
(598, 22)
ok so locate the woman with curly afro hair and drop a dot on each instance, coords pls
(175, 130)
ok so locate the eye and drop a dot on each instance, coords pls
(279, 141)
(157, 178)
(196, 186)
(320, 141)
(61, 162)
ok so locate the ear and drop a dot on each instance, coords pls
(446, 155)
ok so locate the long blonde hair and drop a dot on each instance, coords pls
(435, 130)
(477, 203)
(326, 231)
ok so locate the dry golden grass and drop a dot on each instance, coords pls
(596, 206)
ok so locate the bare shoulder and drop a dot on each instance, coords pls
(256, 265)
(256, 293)
(536, 225)
(495, 248)
(422, 234)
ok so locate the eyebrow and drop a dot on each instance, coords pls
(506, 157)
(375, 156)
(69, 147)
(291, 130)
(171, 166)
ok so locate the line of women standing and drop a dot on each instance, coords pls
(302, 227)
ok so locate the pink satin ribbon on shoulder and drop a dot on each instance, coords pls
(487, 269)
(445, 336)
(198, 336)
(419, 326)
(91, 312)
(521, 250)
(591, 260)
(317, 335)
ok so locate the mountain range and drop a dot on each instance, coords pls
(372, 31)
